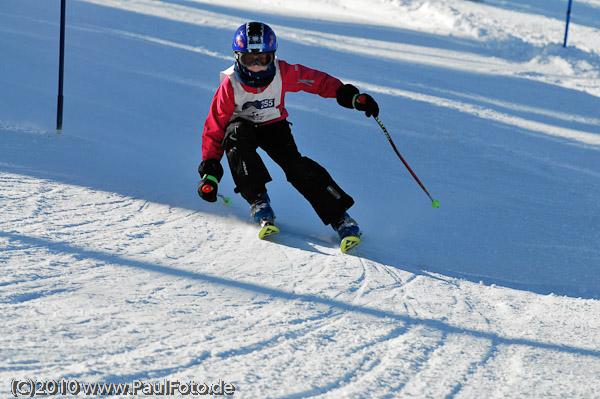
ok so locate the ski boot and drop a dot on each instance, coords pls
(348, 230)
(263, 214)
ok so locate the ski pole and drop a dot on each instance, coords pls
(434, 203)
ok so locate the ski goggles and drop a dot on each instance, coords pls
(250, 59)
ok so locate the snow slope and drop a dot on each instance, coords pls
(113, 270)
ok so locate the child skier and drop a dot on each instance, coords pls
(248, 112)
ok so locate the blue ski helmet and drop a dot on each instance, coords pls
(254, 37)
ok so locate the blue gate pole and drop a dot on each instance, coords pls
(567, 25)
(61, 68)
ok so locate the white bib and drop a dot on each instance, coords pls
(260, 107)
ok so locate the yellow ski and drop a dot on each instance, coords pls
(267, 231)
(348, 243)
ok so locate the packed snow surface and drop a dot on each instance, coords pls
(113, 270)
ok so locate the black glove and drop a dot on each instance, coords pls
(348, 96)
(364, 102)
(211, 172)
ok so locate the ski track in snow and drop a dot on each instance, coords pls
(97, 285)
(71, 254)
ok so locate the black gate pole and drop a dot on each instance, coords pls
(61, 68)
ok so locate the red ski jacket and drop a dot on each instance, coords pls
(226, 105)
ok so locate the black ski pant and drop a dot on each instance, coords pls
(242, 139)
